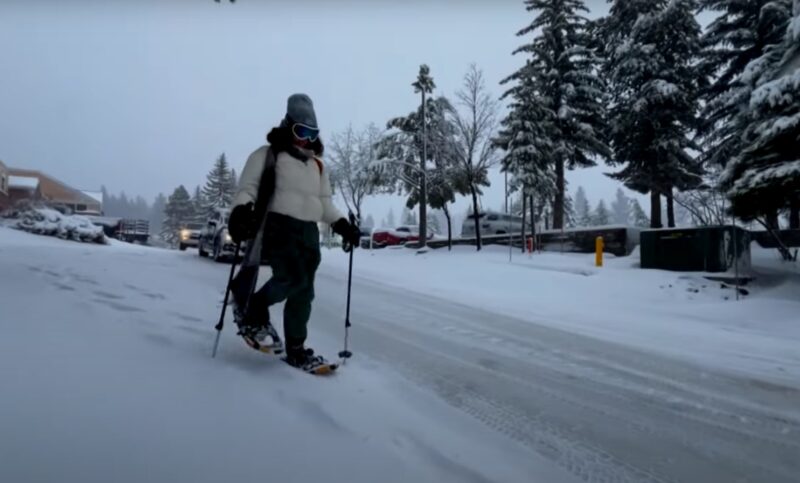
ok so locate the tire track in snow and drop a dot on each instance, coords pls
(603, 411)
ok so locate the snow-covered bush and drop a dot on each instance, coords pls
(47, 221)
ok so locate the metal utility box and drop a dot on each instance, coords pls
(703, 249)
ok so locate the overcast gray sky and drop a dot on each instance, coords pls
(142, 95)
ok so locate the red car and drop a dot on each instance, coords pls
(398, 236)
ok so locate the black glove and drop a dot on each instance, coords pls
(350, 233)
(242, 224)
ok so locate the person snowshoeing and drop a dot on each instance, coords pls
(284, 191)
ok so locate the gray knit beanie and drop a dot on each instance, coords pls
(300, 109)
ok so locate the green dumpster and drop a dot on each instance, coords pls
(703, 249)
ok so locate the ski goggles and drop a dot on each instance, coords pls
(305, 133)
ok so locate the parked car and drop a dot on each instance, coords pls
(190, 235)
(215, 239)
(491, 223)
(397, 236)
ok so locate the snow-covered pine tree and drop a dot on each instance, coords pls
(106, 200)
(558, 92)
(638, 217)
(739, 35)
(569, 211)
(178, 212)
(442, 174)
(601, 216)
(441, 194)
(423, 85)
(620, 208)
(156, 216)
(400, 150)
(199, 206)
(446, 176)
(527, 151)
(219, 189)
(390, 220)
(765, 177)
(234, 183)
(140, 208)
(369, 223)
(654, 85)
(582, 209)
(124, 206)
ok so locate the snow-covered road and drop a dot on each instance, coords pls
(105, 369)
(604, 412)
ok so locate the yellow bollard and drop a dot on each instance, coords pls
(598, 251)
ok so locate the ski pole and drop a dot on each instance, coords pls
(346, 354)
(221, 322)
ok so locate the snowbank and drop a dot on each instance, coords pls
(46, 221)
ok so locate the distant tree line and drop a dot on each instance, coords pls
(168, 215)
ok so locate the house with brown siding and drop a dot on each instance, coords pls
(23, 188)
(58, 194)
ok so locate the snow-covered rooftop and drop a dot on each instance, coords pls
(95, 195)
(25, 182)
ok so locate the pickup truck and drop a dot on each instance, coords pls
(132, 231)
(190, 235)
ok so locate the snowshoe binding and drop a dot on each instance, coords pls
(256, 336)
(304, 359)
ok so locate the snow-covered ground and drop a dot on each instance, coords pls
(678, 314)
(106, 375)
(466, 369)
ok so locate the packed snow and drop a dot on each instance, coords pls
(106, 375)
(680, 314)
(467, 368)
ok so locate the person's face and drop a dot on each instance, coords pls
(301, 143)
(304, 135)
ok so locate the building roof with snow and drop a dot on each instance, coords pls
(95, 195)
(57, 192)
(23, 182)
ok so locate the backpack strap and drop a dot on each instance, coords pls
(266, 186)
(319, 164)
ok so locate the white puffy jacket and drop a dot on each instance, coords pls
(302, 189)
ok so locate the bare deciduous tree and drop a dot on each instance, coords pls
(706, 204)
(476, 121)
(353, 173)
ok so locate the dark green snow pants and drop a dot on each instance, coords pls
(291, 247)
